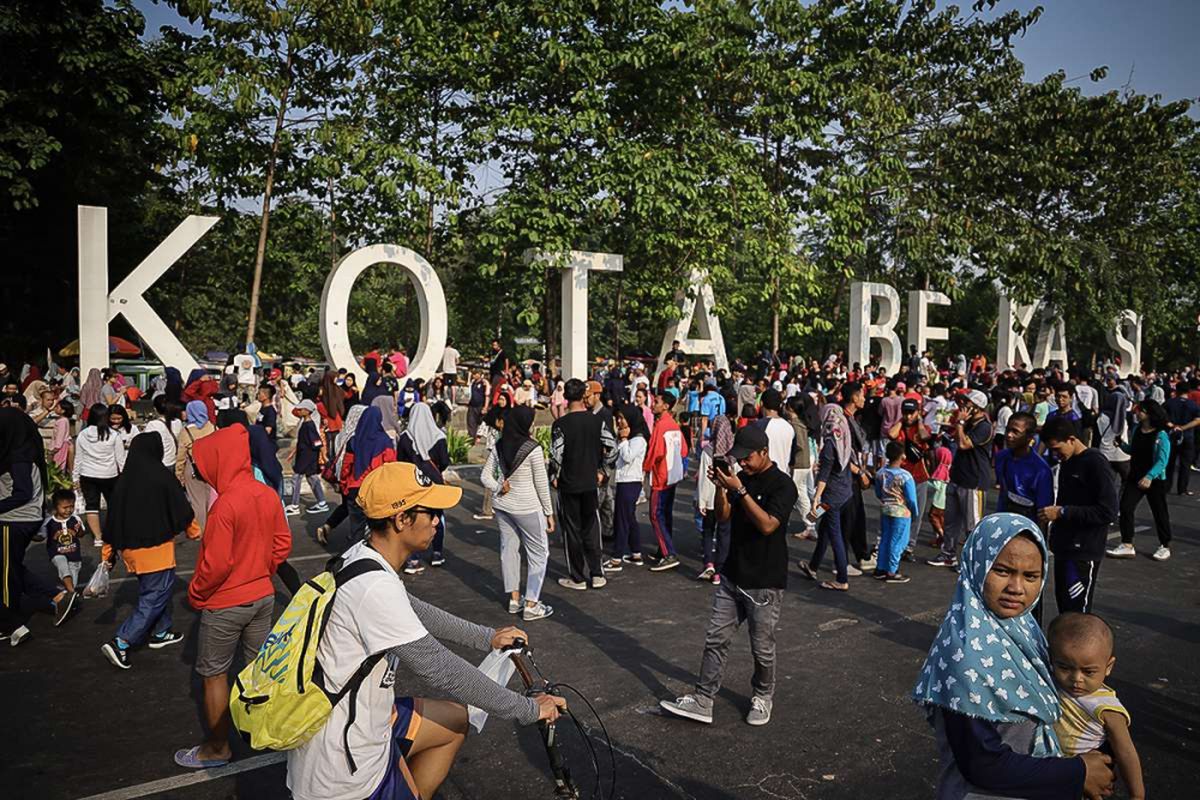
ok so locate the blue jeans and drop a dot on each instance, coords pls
(662, 519)
(625, 524)
(829, 532)
(716, 539)
(152, 615)
(893, 538)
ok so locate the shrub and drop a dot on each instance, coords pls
(459, 445)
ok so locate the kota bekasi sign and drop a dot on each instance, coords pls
(874, 310)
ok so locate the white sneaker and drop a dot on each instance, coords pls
(567, 583)
(870, 563)
(538, 611)
(599, 583)
(690, 707)
(1162, 554)
(291, 511)
(760, 711)
(318, 508)
(1121, 551)
(853, 571)
(514, 606)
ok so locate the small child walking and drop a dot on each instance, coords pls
(897, 492)
(307, 460)
(939, 475)
(62, 530)
(1081, 655)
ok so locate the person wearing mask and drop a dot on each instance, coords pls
(246, 539)
(148, 510)
(423, 443)
(99, 453)
(577, 468)
(970, 475)
(1150, 452)
(756, 501)
(515, 472)
(22, 495)
(1086, 505)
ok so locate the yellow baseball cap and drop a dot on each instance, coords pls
(399, 486)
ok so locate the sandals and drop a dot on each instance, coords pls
(323, 534)
(807, 571)
(190, 759)
(833, 586)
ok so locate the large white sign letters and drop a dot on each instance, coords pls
(864, 330)
(575, 304)
(1126, 338)
(1015, 322)
(710, 340)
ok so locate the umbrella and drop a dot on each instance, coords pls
(116, 346)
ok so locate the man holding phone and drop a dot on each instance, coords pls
(757, 502)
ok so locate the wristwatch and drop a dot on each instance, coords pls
(742, 491)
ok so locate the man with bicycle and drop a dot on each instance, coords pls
(376, 744)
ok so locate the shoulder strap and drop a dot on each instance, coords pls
(342, 575)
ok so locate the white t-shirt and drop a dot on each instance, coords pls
(370, 614)
(780, 436)
(450, 360)
(244, 364)
(159, 426)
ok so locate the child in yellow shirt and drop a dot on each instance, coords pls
(1081, 655)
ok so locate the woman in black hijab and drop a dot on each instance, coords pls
(149, 508)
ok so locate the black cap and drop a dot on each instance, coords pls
(749, 439)
(908, 406)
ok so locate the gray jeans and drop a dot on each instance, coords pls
(730, 607)
(528, 530)
(964, 509)
(605, 497)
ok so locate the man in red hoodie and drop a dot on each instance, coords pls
(246, 538)
(664, 462)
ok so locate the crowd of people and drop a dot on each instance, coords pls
(1067, 455)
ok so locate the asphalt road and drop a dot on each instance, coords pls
(843, 726)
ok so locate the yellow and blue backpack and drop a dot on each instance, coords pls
(280, 701)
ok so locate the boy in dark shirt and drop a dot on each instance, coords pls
(268, 417)
(62, 530)
(757, 502)
(576, 468)
(1086, 505)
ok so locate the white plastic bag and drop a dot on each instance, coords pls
(97, 585)
(500, 668)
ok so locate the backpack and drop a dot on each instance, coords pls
(279, 702)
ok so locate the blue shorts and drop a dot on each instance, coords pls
(398, 783)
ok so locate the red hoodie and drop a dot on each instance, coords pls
(665, 454)
(246, 536)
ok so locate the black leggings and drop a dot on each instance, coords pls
(1131, 497)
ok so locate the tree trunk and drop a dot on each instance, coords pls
(775, 316)
(260, 255)
(617, 319)
(435, 162)
(550, 314)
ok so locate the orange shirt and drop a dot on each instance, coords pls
(144, 560)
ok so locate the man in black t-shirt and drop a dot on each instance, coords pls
(499, 362)
(577, 441)
(970, 475)
(757, 502)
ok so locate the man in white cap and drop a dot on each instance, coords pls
(970, 475)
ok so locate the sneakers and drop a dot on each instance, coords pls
(164, 639)
(63, 608)
(437, 560)
(689, 706)
(538, 611)
(21, 634)
(567, 583)
(599, 582)
(707, 573)
(291, 510)
(868, 564)
(760, 711)
(612, 565)
(483, 516)
(898, 577)
(114, 652)
(413, 568)
(1122, 551)
(670, 562)
(943, 561)
(716, 579)
(514, 606)
(853, 571)
(1162, 553)
(318, 508)
(635, 559)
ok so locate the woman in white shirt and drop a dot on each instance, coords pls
(99, 452)
(632, 439)
(122, 425)
(515, 472)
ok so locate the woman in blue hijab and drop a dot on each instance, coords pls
(986, 686)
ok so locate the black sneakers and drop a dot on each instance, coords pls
(119, 656)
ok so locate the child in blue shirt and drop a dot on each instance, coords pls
(1025, 479)
(897, 492)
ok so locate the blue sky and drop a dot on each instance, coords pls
(1156, 39)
